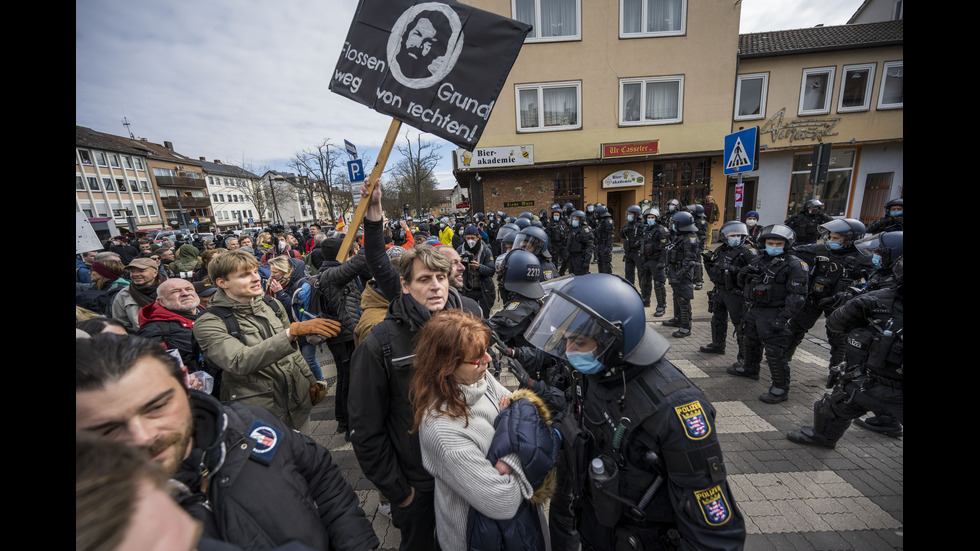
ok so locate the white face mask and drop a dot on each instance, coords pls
(751, 222)
(471, 243)
(282, 245)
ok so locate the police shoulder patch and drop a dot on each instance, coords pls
(267, 439)
(512, 306)
(714, 505)
(694, 420)
(548, 274)
(804, 265)
(693, 238)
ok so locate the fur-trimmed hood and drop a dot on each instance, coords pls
(537, 446)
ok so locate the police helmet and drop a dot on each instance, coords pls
(511, 219)
(523, 222)
(813, 203)
(697, 210)
(527, 215)
(733, 228)
(589, 208)
(501, 214)
(894, 203)
(602, 212)
(683, 222)
(568, 208)
(887, 245)
(634, 210)
(652, 211)
(673, 205)
(479, 217)
(533, 239)
(600, 310)
(851, 229)
(778, 231)
(542, 213)
(522, 274)
(507, 232)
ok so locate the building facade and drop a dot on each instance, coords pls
(609, 102)
(231, 190)
(840, 85)
(112, 181)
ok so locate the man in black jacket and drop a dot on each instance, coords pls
(381, 371)
(242, 472)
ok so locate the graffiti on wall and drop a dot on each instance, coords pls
(798, 129)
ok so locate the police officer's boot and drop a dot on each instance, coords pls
(676, 320)
(684, 328)
(698, 277)
(717, 345)
(883, 424)
(779, 391)
(661, 293)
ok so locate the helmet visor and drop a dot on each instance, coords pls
(565, 325)
(528, 243)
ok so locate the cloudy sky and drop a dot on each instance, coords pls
(245, 81)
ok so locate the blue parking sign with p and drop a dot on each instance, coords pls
(355, 170)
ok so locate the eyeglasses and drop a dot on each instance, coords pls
(482, 360)
(154, 258)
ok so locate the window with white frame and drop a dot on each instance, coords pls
(133, 186)
(651, 100)
(141, 210)
(129, 161)
(121, 184)
(151, 210)
(107, 182)
(549, 107)
(855, 88)
(892, 94)
(750, 96)
(650, 18)
(552, 20)
(93, 183)
(79, 183)
(815, 91)
(139, 163)
(101, 158)
(114, 160)
(85, 156)
(144, 185)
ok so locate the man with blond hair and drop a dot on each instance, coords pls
(248, 336)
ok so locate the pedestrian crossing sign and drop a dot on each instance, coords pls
(742, 151)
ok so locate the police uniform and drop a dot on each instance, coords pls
(632, 235)
(723, 266)
(605, 231)
(557, 231)
(806, 225)
(774, 288)
(832, 273)
(580, 247)
(874, 379)
(683, 254)
(659, 436)
(653, 275)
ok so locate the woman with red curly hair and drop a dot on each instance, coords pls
(457, 402)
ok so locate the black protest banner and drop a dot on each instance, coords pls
(438, 66)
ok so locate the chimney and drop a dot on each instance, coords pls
(169, 145)
(217, 161)
(202, 158)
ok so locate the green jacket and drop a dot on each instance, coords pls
(268, 370)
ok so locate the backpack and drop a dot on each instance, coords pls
(226, 315)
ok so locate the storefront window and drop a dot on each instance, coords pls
(569, 187)
(687, 181)
(833, 194)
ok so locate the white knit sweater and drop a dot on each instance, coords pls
(457, 457)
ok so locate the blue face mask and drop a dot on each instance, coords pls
(895, 213)
(671, 208)
(574, 223)
(834, 245)
(629, 218)
(651, 221)
(734, 241)
(556, 217)
(774, 251)
(584, 362)
(876, 260)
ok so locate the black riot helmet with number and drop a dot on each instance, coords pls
(851, 229)
(522, 274)
(532, 238)
(778, 231)
(604, 311)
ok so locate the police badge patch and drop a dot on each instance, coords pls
(695, 421)
(512, 306)
(714, 505)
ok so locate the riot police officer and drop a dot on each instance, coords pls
(774, 287)
(683, 255)
(580, 244)
(723, 265)
(894, 218)
(632, 236)
(701, 221)
(835, 266)
(557, 230)
(639, 421)
(673, 207)
(806, 223)
(604, 235)
(535, 240)
(653, 274)
(873, 379)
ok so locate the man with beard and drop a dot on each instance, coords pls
(144, 277)
(424, 44)
(240, 471)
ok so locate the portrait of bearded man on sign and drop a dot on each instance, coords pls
(424, 45)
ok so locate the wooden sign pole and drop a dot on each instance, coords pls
(362, 206)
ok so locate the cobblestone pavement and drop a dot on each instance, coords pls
(793, 497)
